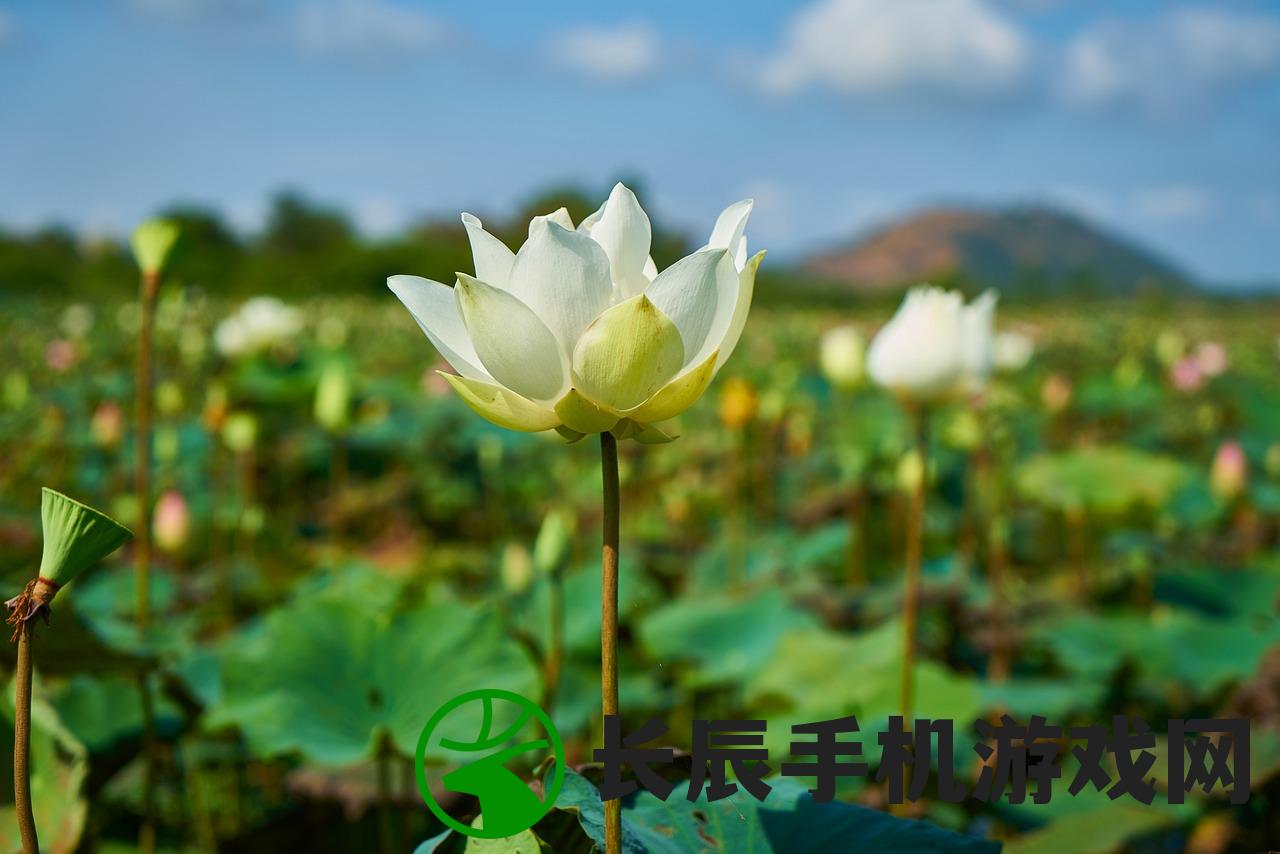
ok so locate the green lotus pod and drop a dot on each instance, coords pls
(152, 242)
(75, 537)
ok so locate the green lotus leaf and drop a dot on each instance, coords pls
(59, 768)
(327, 678)
(75, 536)
(788, 820)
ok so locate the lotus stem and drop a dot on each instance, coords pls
(22, 745)
(856, 516)
(142, 554)
(996, 558)
(147, 832)
(142, 466)
(914, 558)
(609, 616)
(386, 831)
(555, 640)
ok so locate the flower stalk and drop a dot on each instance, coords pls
(75, 538)
(914, 558)
(609, 615)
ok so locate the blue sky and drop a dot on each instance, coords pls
(1157, 117)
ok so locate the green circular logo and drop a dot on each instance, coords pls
(507, 805)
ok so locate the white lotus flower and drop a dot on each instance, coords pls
(260, 324)
(935, 346)
(578, 331)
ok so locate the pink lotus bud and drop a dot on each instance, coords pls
(1186, 375)
(60, 354)
(107, 424)
(1211, 359)
(1230, 471)
(172, 521)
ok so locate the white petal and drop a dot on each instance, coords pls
(625, 233)
(591, 219)
(564, 277)
(650, 269)
(741, 307)
(560, 216)
(729, 229)
(978, 328)
(432, 304)
(698, 293)
(492, 257)
(513, 344)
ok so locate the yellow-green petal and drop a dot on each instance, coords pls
(645, 434)
(678, 395)
(502, 406)
(584, 416)
(152, 242)
(627, 354)
(75, 536)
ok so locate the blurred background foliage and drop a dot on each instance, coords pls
(344, 546)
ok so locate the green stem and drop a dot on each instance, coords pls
(386, 833)
(555, 640)
(22, 746)
(914, 558)
(142, 466)
(609, 616)
(142, 538)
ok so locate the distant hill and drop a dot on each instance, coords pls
(1036, 249)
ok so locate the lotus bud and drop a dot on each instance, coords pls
(1170, 346)
(551, 548)
(1273, 459)
(240, 432)
(216, 407)
(77, 320)
(1056, 392)
(517, 568)
(332, 407)
(842, 356)
(1186, 376)
(738, 403)
(172, 521)
(910, 471)
(152, 243)
(60, 355)
(1230, 471)
(169, 398)
(75, 538)
(1128, 371)
(1012, 350)
(16, 389)
(107, 424)
(168, 444)
(1211, 358)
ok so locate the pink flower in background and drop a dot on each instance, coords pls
(60, 354)
(107, 424)
(172, 521)
(1230, 470)
(1186, 375)
(1211, 358)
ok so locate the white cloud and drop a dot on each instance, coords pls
(365, 30)
(624, 52)
(1179, 57)
(1174, 203)
(880, 47)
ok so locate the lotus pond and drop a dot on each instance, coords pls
(342, 546)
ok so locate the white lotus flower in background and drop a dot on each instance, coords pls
(578, 331)
(1012, 350)
(935, 346)
(260, 324)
